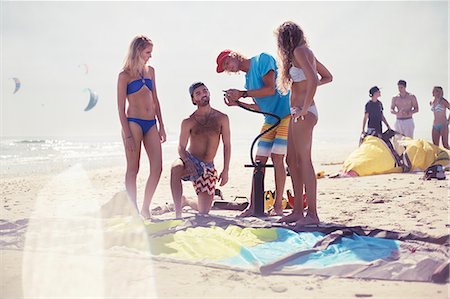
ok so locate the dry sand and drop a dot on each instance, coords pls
(52, 205)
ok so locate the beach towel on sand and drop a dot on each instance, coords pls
(375, 156)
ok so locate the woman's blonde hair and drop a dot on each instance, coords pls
(133, 61)
(289, 36)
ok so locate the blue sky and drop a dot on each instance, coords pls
(362, 43)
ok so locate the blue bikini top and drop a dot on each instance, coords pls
(136, 85)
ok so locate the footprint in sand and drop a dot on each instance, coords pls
(278, 288)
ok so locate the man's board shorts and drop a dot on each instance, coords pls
(405, 126)
(205, 177)
(274, 141)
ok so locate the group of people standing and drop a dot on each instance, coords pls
(403, 106)
(285, 89)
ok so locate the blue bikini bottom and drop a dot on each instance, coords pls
(439, 127)
(145, 124)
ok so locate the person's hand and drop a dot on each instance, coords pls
(130, 144)
(303, 113)
(404, 112)
(296, 113)
(189, 166)
(162, 135)
(233, 94)
(229, 99)
(229, 102)
(223, 178)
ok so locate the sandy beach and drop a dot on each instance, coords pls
(67, 229)
(42, 208)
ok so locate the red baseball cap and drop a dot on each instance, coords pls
(224, 54)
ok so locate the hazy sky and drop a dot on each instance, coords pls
(362, 43)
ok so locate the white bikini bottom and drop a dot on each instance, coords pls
(313, 110)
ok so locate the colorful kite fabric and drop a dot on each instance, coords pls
(378, 156)
(327, 250)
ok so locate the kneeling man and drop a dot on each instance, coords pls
(203, 130)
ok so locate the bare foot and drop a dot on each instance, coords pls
(246, 213)
(293, 217)
(275, 212)
(277, 209)
(308, 220)
(145, 214)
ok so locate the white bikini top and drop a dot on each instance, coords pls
(437, 107)
(297, 74)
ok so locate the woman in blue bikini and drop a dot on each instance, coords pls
(439, 105)
(137, 85)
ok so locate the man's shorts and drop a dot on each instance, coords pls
(274, 141)
(205, 177)
(405, 126)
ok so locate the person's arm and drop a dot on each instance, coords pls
(185, 133)
(268, 89)
(366, 115)
(231, 98)
(300, 55)
(447, 105)
(325, 75)
(415, 105)
(121, 103)
(393, 105)
(252, 106)
(184, 138)
(226, 137)
(385, 121)
(162, 131)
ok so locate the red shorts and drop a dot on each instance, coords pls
(207, 181)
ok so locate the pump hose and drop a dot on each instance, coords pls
(262, 133)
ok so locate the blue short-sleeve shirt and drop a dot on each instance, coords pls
(277, 103)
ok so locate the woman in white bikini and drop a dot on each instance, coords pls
(298, 71)
(439, 105)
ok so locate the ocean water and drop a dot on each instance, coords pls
(21, 156)
(42, 155)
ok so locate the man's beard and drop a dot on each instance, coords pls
(204, 102)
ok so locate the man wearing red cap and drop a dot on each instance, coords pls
(260, 85)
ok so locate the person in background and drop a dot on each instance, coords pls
(260, 85)
(373, 114)
(404, 105)
(141, 121)
(439, 106)
(299, 72)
